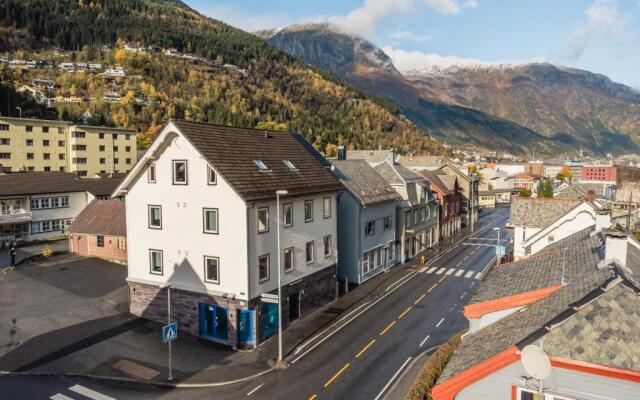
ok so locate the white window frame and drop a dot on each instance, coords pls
(151, 172)
(206, 269)
(150, 216)
(371, 232)
(291, 251)
(326, 211)
(284, 215)
(306, 252)
(204, 221)
(262, 257)
(151, 262)
(305, 211)
(388, 223)
(212, 177)
(98, 239)
(324, 242)
(264, 228)
(174, 164)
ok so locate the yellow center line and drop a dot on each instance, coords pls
(387, 328)
(333, 378)
(432, 287)
(420, 299)
(313, 397)
(365, 348)
(443, 278)
(405, 312)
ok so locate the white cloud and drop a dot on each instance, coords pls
(602, 20)
(405, 60)
(406, 35)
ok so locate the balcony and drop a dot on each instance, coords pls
(14, 216)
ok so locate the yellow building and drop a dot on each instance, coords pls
(46, 145)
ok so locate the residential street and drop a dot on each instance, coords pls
(359, 360)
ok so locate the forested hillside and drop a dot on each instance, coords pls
(231, 77)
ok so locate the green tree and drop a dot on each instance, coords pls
(524, 193)
(545, 189)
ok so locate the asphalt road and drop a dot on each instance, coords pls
(361, 361)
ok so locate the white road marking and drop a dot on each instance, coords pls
(463, 294)
(421, 270)
(60, 396)
(384, 389)
(440, 323)
(255, 389)
(424, 340)
(460, 271)
(451, 271)
(479, 275)
(92, 394)
(472, 283)
(468, 275)
(430, 271)
(441, 270)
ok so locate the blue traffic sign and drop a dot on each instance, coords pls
(170, 332)
(500, 250)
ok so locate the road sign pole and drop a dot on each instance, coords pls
(170, 377)
(499, 244)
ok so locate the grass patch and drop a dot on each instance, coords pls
(426, 379)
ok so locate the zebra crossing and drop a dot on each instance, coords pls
(457, 272)
(84, 392)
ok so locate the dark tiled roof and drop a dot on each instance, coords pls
(436, 180)
(101, 217)
(422, 161)
(519, 326)
(449, 180)
(388, 173)
(30, 183)
(370, 156)
(363, 182)
(581, 190)
(539, 211)
(232, 152)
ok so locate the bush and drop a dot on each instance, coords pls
(47, 252)
(426, 379)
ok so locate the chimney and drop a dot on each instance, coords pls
(342, 152)
(603, 219)
(615, 247)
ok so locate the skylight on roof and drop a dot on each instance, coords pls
(290, 165)
(262, 166)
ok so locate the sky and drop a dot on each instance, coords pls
(597, 35)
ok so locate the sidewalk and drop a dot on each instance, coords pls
(22, 253)
(96, 346)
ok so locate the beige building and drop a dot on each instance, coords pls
(47, 145)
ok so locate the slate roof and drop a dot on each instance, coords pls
(370, 156)
(232, 152)
(32, 183)
(542, 270)
(580, 190)
(449, 181)
(422, 161)
(436, 180)
(363, 182)
(101, 217)
(539, 211)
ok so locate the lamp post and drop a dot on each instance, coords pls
(497, 255)
(279, 361)
(167, 285)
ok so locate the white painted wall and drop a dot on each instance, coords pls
(77, 202)
(520, 235)
(181, 238)
(476, 324)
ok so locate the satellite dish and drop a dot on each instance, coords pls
(535, 361)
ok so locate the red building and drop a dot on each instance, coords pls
(100, 230)
(598, 173)
(446, 188)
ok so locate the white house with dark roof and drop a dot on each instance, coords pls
(367, 228)
(202, 218)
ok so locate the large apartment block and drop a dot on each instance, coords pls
(48, 145)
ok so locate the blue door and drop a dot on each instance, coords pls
(268, 319)
(245, 326)
(214, 322)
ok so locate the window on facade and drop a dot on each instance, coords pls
(79, 134)
(210, 216)
(101, 148)
(64, 201)
(263, 268)
(30, 156)
(370, 228)
(115, 148)
(179, 172)
(45, 129)
(415, 216)
(388, 222)
(309, 256)
(288, 259)
(211, 176)
(82, 173)
(45, 143)
(29, 128)
(5, 141)
(103, 161)
(155, 261)
(47, 169)
(127, 148)
(407, 219)
(121, 244)
(263, 219)
(308, 210)
(211, 269)
(5, 156)
(261, 166)
(100, 135)
(287, 214)
(114, 136)
(4, 127)
(127, 161)
(60, 131)
(46, 156)
(29, 142)
(99, 240)
(423, 214)
(326, 207)
(60, 143)
(151, 173)
(327, 246)
(79, 147)
(155, 217)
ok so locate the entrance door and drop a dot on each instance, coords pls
(18, 232)
(214, 322)
(294, 307)
(386, 257)
(82, 247)
(245, 326)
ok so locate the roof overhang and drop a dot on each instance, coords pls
(521, 299)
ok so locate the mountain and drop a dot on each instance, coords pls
(214, 73)
(525, 109)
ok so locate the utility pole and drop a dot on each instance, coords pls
(498, 256)
(279, 361)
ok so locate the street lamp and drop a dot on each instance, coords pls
(167, 285)
(497, 255)
(279, 361)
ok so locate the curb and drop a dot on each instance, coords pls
(136, 381)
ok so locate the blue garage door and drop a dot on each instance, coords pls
(214, 322)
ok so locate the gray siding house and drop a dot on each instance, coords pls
(367, 231)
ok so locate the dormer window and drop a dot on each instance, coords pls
(262, 166)
(290, 165)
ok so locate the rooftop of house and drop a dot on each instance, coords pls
(31, 183)
(525, 176)
(233, 152)
(437, 181)
(370, 156)
(363, 182)
(539, 212)
(422, 161)
(101, 217)
(580, 190)
(396, 174)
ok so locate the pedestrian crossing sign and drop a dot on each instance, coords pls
(170, 332)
